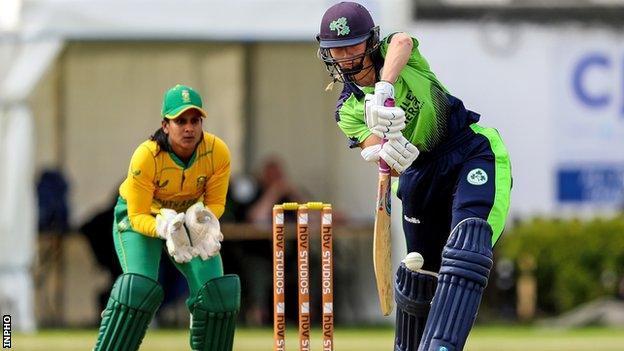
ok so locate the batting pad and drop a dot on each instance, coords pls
(466, 264)
(213, 314)
(133, 301)
(413, 294)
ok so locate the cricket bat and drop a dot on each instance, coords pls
(382, 246)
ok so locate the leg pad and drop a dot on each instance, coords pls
(133, 301)
(214, 311)
(413, 294)
(466, 264)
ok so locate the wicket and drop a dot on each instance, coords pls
(303, 274)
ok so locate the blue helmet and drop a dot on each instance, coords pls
(346, 24)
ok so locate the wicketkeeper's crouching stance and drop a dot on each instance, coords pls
(455, 176)
(172, 197)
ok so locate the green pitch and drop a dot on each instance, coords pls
(348, 339)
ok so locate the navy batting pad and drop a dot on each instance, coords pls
(466, 264)
(413, 294)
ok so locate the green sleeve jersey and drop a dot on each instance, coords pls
(426, 102)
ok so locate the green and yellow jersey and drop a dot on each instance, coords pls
(158, 179)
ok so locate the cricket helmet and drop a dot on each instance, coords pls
(346, 24)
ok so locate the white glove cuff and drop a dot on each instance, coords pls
(371, 121)
(383, 90)
(371, 153)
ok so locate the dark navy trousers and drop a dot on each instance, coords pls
(468, 176)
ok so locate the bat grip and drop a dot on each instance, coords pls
(383, 166)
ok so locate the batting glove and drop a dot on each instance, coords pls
(170, 227)
(398, 153)
(204, 229)
(383, 91)
(390, 122)
(384, 122)
(371, 153)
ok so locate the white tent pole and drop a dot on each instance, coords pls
(17, 206)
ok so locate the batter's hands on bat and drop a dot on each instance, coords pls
(371, 153)
(170, 227)
(384, 90)
(398, 153)
(204, 229)
(384, 122)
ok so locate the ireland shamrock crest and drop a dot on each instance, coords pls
(340, 26)
(477, 177)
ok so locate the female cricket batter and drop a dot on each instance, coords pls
(173, 194)
(455, 176)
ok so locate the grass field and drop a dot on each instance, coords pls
(351, 339)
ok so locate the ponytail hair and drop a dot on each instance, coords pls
(161, 139)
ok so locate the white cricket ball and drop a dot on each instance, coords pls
(413, 261)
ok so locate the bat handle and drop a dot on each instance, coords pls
(383, 166)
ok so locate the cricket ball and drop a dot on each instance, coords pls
(413, 261)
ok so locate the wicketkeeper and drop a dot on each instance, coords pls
(454, 175)
(171, 199)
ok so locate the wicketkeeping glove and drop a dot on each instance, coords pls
(170, 227)
(204, 229)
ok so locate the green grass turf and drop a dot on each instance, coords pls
(483, 338)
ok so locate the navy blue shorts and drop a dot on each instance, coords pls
(470, 176)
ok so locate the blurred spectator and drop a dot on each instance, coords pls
(52, 190)
(53, 225)
(250, 200)
(97, 231)
(275, 187)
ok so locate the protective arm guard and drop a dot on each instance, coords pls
(133, 301)
(466, 264)
(413, 294)
(213, 314)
